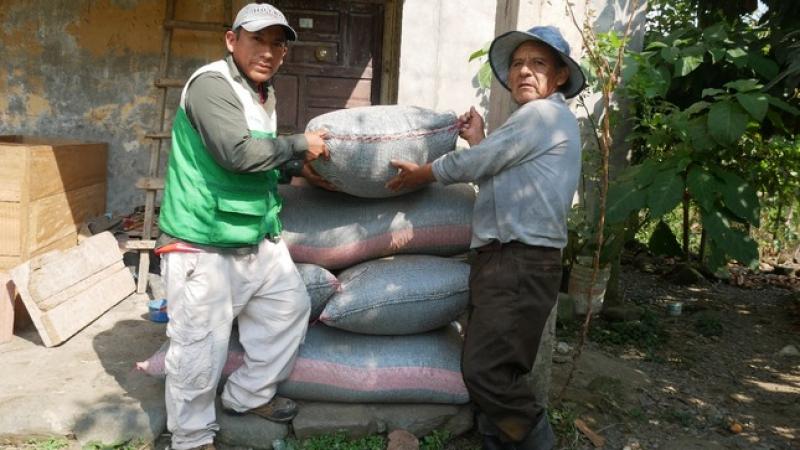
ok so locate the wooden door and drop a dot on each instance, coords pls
(335, 62)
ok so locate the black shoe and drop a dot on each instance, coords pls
(494, 443)
(541, 437)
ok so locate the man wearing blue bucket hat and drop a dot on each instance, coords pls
(527, 172)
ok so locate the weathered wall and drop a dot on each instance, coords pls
(438, 37)
(84, 69)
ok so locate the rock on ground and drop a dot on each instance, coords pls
(359, 420)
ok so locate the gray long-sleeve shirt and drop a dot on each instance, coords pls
(218, 115)
(527, 172)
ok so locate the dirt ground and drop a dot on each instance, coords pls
(713, 377)
(722, 375)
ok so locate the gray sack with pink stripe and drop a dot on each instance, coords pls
(336, 230)
(338, 366)
(402, 294)
(362, 141)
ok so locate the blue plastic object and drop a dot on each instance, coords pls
(158, 310)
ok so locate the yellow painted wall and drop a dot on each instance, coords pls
(84, 69)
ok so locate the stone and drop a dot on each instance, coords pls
(566, 308)
(248, 430)
(315, 419)
(563, 348)
(402, 440)
(561, 359)
(789, 350)
(358, 420)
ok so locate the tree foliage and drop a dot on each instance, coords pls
(713, 104)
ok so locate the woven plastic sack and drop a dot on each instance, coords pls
(320, 284)
(338, 366)
(399, 295)
(336, 230)
(362, 142)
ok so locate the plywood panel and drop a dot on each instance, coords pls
(67, 242)
(89, 298)
(81, 310)
(7, 262)
(56, 216)
(12, 171)
(66, 168)
(49, 275)
(10, 229)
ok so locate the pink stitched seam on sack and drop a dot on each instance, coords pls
(391, 137)
(383, 244)
(377, 378)
(345, 377)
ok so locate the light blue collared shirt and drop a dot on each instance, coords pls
(526, 171)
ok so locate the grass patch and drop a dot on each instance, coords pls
(646, 334)
(435, 441)
(562, 418)
(336, 441)
(48, 443)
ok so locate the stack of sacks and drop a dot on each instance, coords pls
(384, 335)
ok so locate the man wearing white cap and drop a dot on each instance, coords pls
(527, 172)
(220, 249)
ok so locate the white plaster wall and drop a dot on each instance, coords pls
(437, 38)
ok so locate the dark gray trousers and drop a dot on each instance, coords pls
(513, 288)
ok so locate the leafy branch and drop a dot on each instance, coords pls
(608, 76)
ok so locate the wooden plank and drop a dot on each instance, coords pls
(6, 308)
(56, 216)
(65, 243)
(74, 290)
(12, 167)
(50, 276)
(91, 299)
(150, 183)
(159, 135)
(7, 262)
(61, 168)
(10, 236)
(140, 245)
(83, 309)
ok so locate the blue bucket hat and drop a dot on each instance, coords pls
(504, 46)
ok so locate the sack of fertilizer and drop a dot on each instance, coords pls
(320, 285)
(362, 142)
(336, 230)
(404, 294)
(338, 366)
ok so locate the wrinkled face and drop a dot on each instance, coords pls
(258, 54)
(535, 72)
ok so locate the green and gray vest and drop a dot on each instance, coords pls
(205, 203)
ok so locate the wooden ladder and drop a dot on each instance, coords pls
(152, 183)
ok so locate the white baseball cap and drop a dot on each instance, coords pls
(257, 16)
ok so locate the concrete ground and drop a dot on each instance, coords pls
(88, 389)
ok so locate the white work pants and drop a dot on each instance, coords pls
(205, 291)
